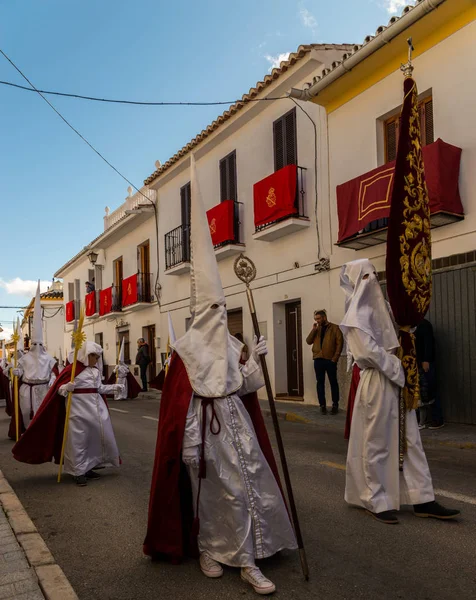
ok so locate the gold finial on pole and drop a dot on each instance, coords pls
(407, 69)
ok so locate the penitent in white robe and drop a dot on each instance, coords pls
(242, 513)
(36, 368)
(373, 480)
(122, 371)
(91, 442)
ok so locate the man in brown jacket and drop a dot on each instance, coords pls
(327, 341)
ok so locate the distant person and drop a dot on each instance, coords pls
(425, 349)
(90, 287)
(143, 360)
(326, 340)
(244, 351)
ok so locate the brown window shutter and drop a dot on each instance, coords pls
(290, 137)
(278, 130)
(231, 177)
(223, 179)
(185, 193)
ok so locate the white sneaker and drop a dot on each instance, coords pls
(210, 567)
(254, 577)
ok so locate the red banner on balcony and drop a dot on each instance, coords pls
(367, 198)
(221, 222)
(90, 304)
(105, 301)
(275, 196)
(129, 290)
(70, 311)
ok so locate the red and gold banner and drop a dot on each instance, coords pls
(367, 197)
(105, 301)
(129, 290)
(70, 311)
(90, 304)
(408, 266)
(275, 196)
(221, 222)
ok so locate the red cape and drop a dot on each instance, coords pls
(169, 530)
(133, 388)
(43, 439)
(158, 382)
(354, 384)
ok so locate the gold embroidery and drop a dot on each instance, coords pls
(271, 198)
(213, 226)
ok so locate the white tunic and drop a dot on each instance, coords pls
(122, 372)
(91, 442)
(36, 368)
(373, 480)
(242, 513)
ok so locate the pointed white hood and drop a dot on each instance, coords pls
(37, 332)
(60, 360)
(172, 336)
(4, 362)
(210, 354)
(121, 353)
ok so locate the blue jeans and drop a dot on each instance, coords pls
(321, 367)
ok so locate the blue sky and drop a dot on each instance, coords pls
(54, 188)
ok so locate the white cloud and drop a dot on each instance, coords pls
(396, 6)
(23, 287)
(307, 18)
(6, 334)
(275, 61)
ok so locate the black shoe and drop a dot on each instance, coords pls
(92, 475)
(323, 410)
(387, 516)
(81, 480)
(435, 511)
(436, 425)
(335, 410)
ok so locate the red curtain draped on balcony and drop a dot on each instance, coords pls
(221, 222)
(129, 290)
(275, 196)
(90, 304)
(105, 301)
(367, 198)
(70, 311)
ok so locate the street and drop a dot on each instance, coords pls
(96, 533)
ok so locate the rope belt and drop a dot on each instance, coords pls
(85, 391)
(31, 385)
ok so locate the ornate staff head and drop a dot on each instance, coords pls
(245, 269)
(408, 68)
(78, 336)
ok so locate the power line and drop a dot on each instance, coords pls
(134, 102)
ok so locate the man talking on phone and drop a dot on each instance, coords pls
(327, 341)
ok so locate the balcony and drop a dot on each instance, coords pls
(136, 292)
(116, 299)
(92, 305)
(134, 202)
(177, 250)
(363, 203)
(280, 204)
(224, 223)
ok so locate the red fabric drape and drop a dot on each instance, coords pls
(367, 197)
(90, 304)
(129, 290)
(70, 311)
(105, 301)
(221, 222)
(275, 196)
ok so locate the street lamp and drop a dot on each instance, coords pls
(93, 257)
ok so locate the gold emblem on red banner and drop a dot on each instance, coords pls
(271, 198)
(213, 226)
(129, 290)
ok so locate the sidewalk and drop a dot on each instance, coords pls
(452, 434)
(27, 568)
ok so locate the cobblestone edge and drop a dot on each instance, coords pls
(51, 578)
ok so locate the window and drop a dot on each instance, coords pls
(391, 129)
(186, 209)
(285, 140)
(70, 291)
(228, 177)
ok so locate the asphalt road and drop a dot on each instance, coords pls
(96, 533)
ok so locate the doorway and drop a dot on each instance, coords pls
(117, 285)
(294, 349)
(143, 269)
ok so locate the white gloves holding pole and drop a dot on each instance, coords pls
(260, 348)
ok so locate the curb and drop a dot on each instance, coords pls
(51, 579)
(295, 418)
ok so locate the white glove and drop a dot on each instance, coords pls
(118, 388)
(191, 456)
(259, 348)
(17, 372)
(66, 388)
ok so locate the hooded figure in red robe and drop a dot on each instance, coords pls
(215, 483)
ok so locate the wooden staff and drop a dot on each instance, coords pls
(78, 339)
(245, 270)
(16, 403)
